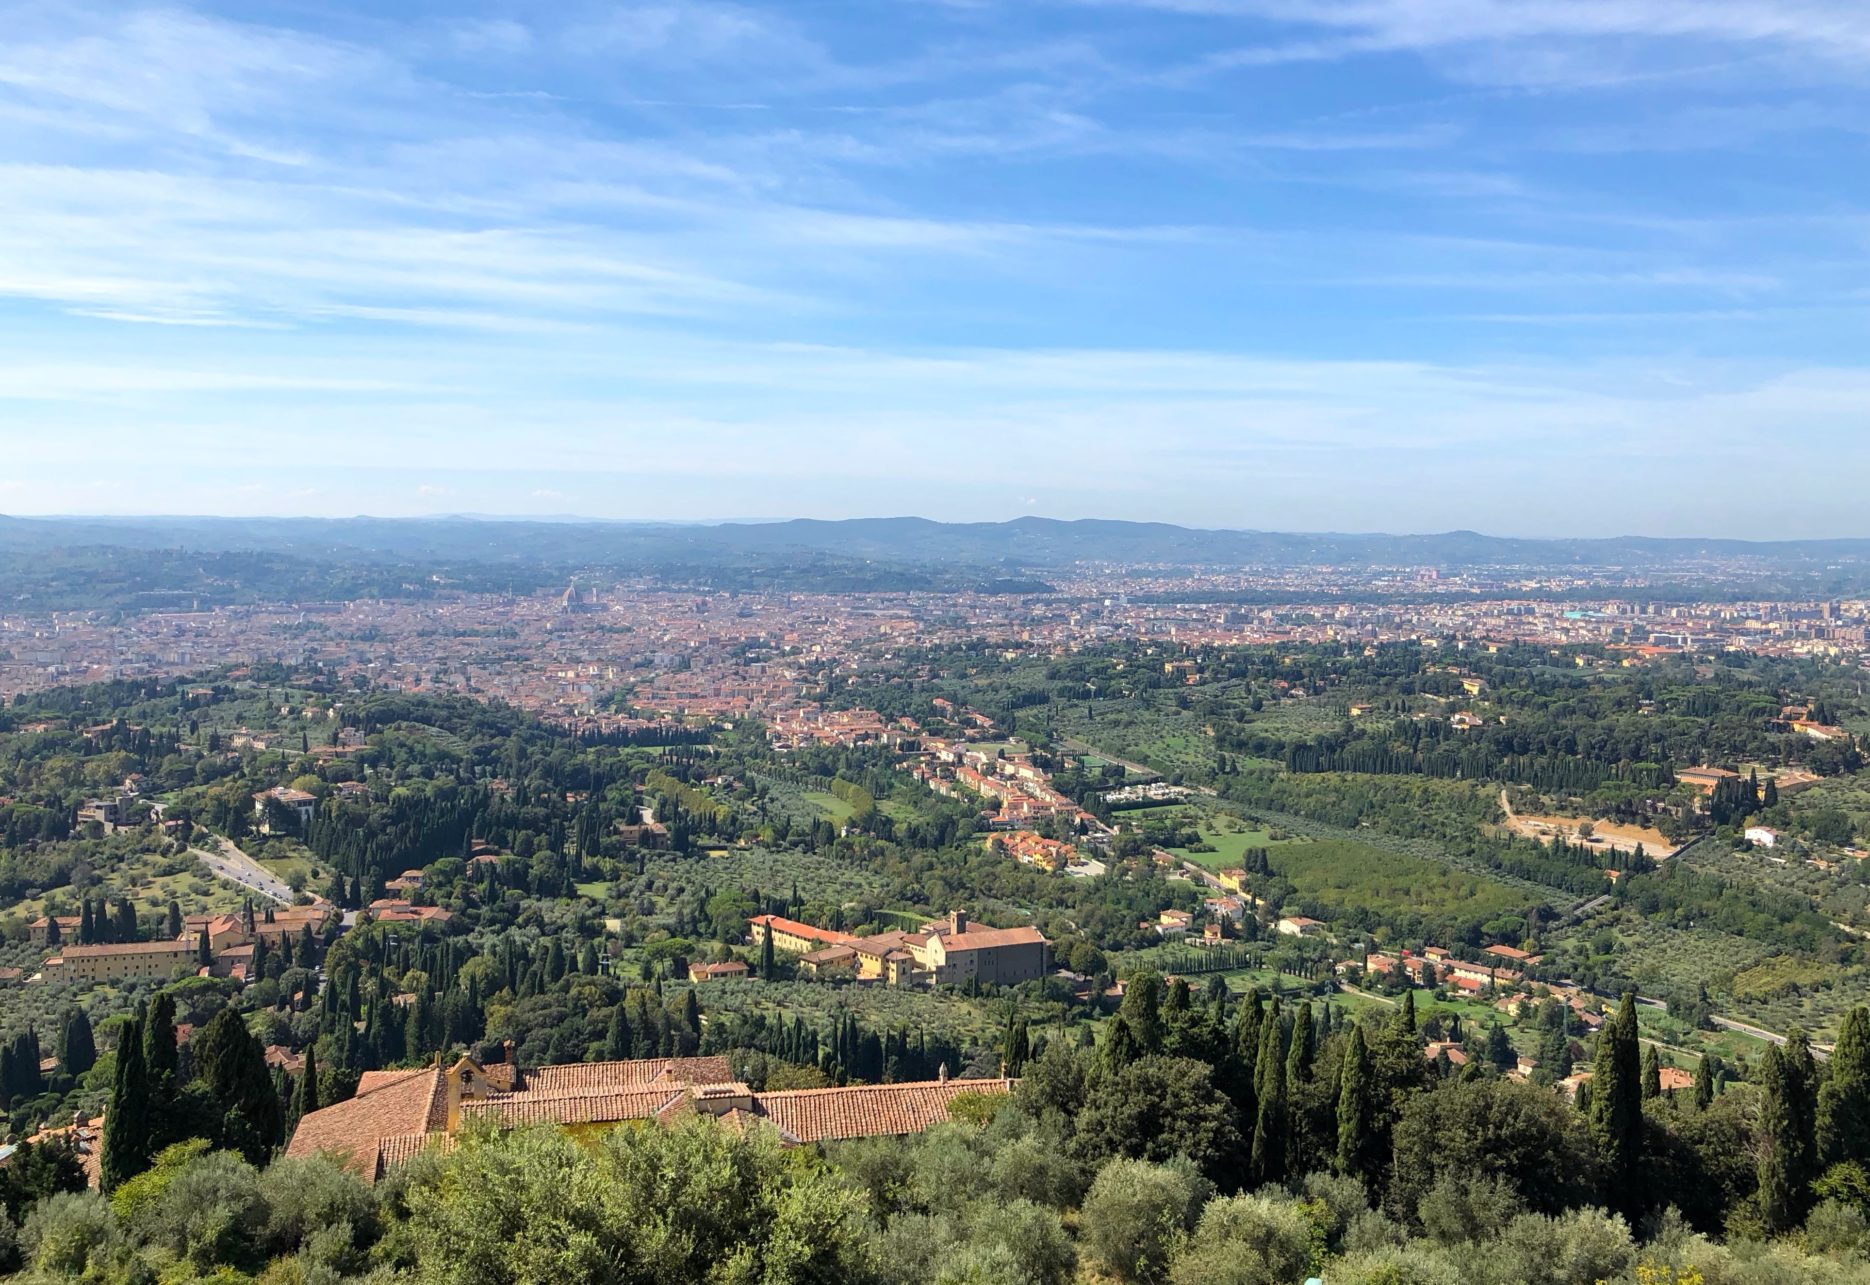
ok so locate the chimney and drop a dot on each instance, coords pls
(957, 921)
(942, 1075)
(506, 1051)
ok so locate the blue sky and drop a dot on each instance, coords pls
(1588, 266)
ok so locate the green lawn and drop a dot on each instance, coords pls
(1229, 849)
(831, 805)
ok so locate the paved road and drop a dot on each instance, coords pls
(230, 863)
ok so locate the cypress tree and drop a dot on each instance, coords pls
(1704, 1081)
(1617, 1108)
(1802, 1081)
(161, 1060)
(1652, 1073)
(87, 931)
(53, 933)
(767, 963)
(1843, 1121)
(1355, 1109)
(307, 1100)
(126, 1149)
(127, 927)
(618, 1040)
(175, 919)
(1784, 1188)
(1405, 1016)
(1303, 1047)
(232, 1067)
(77, 1046)
(1269, 1126)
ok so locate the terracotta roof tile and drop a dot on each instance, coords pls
(613, 1077)
(387, 1104)
(868, 1111)
(516, 1109)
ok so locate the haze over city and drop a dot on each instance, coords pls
(1406, 265)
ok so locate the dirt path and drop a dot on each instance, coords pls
(1605, 834)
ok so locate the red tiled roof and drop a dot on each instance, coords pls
(989, 938)
(868, 1111)
(511, 1110)
(387, 1104)
(616, 1077)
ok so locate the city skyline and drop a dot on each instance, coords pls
(1399, 265)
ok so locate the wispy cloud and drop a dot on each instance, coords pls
(1102, 245)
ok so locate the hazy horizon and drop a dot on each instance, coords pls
(578, 518)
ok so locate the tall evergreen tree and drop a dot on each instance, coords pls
(87, 931)
(175, 919)
(1843, 1124)
(1784, 1181)
(1355, 1109)
(1652, 1073)
(1617, 1108)
(1705, 1073)
(1405, 1015)
(1269, 1090)
(1017, 1045)
(126, 1150)
(1302, 1049)
(77, 1046)
(161, 1057)
(232, 1067)
(306, 1100)
(619, 1039)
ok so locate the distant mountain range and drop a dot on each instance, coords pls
(1024, 545)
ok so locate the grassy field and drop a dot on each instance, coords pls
(1230, 846)
(836, 809)
(1334, 877)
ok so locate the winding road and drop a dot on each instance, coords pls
(230, 863)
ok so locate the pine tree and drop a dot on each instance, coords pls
(77, 1046)
(1355, 1109)
(126, 1150)
(1843, 1123)
(1617, 1108)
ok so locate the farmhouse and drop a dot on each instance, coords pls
(395, 1115)
(950, 950)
